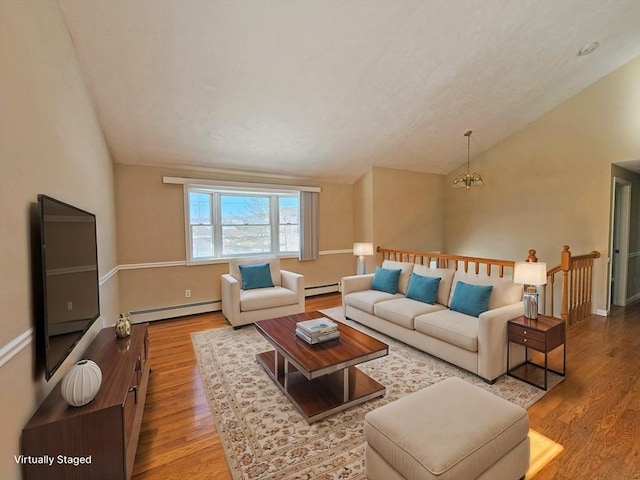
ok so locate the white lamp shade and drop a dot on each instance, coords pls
(530, 273)
(363, 249)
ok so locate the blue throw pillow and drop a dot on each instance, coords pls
(471, 299)
(423, 289)
(255, 276)
(386, 280)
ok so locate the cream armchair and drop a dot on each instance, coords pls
(242, 307)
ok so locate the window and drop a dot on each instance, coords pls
(226, 223)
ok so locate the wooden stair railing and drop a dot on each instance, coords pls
(576, 289)
(443, 260)
(576, 273)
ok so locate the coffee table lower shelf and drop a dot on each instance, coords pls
(320, 397)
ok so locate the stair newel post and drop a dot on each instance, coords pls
(565, 266)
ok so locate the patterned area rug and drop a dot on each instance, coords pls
(265, 438)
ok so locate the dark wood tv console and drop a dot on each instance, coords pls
(97, 440)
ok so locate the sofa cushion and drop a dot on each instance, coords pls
(255, 276)
(446, 276)
(261, 298)
(274, 267)
(471, 299)
(423, 289)
(405, 274)
(504, 292)
(386, 280)
(366, 299)
(452, 327)
(402, 311)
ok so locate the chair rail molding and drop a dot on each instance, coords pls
(11, 349)
(14, 346)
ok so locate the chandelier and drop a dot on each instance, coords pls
(468, 179)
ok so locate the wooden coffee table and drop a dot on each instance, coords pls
(320, 379)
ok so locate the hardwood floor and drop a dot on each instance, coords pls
(594, 413)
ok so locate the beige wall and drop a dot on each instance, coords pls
(363, 208)
(633, 272)
(150, 219)
(50, 143)
(550, 184)
(363, 214)
(407, 209)
(399, 209)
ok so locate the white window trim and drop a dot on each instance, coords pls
(240, 186)
(230, 187)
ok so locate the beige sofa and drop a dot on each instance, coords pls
(477, 344)
(242, 307)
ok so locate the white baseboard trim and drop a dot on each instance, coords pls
(602, 313)
(175, 311)
(633, 298)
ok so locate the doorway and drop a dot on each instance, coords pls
(619, 242)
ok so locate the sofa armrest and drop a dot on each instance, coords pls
(492, 339)
(230, 289)
(293, 281)
(356, 283)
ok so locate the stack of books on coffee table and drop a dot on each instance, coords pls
(317, 330)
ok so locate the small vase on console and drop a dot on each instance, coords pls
(82, 383)
(123, 326)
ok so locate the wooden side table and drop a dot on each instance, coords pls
(543, 335)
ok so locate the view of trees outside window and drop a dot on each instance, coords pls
(201, 221)
(243, 224)
(288, 224)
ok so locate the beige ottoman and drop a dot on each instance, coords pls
(450, 430)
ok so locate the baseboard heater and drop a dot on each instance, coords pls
(174, 311)
(321, 289)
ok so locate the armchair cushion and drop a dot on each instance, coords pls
(255, 276)
(261, 298)
(242, 307)
(274, 267)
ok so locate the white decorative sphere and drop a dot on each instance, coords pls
(82, 383)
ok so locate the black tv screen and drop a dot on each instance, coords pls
(70, 286)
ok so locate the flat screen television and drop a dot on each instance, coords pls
(70, 286)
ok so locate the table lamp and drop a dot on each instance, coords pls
(362, 250)
(530, 274)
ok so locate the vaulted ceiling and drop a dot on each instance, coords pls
(327, 89)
